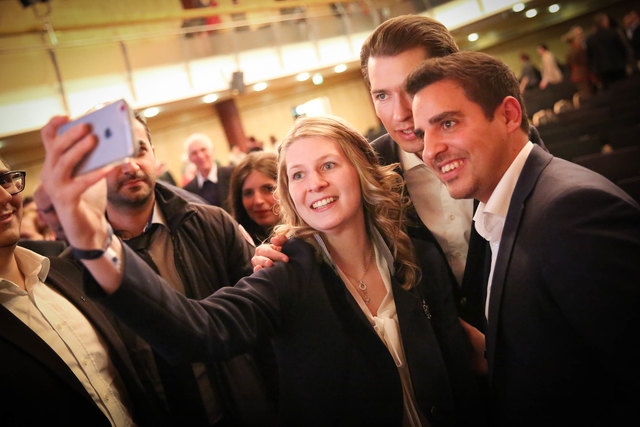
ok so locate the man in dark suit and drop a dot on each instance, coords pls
(211, 181)
(564, 294)
(62, 361)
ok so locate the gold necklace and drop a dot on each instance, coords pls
(361, 285)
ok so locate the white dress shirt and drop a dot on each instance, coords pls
(213, 176)
(490, 217)
(65, 329)
(448, 219)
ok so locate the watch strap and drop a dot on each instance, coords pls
(93, 253)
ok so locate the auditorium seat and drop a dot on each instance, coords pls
(617, 165)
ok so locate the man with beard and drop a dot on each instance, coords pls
(197, 248)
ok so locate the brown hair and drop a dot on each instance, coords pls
(382, 200)
(485, 80)
(261, 161)
(403, 33)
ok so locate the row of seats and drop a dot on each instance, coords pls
(602, 135)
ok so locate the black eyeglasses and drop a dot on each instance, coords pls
(13, 181)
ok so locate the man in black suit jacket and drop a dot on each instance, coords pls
(48, 376)
(564, 295)
(211, 181)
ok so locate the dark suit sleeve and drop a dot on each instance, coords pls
(231, 321)
(238, 250)
(590, 264)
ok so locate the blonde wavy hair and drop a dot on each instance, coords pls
(383, 201)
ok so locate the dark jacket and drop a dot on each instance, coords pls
(38, 388)
(210, 252)
(333, 368)
(224, 183)
(470, 295)
(565, 301)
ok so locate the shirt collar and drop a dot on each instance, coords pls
(410, 160)
(489, 216)
(213, 175)
(378, 241)
(32, 265)
(156, 217)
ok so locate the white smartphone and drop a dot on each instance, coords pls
(113, 126)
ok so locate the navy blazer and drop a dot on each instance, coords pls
(38, 388)
(564, 308)
(333, 368)
(470, 295)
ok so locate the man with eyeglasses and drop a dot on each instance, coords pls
(62, 362)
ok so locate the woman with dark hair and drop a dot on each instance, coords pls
(251, 194)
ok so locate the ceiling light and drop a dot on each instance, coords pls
(208, 99)
(531, 13)
(554, 8)
(151, 112)
(317, 79)
(518, 7)
(302, 77)
(260, 86)
(472, 37)
(340, 68)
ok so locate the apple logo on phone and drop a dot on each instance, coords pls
(107, 133)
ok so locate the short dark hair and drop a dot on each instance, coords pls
(139, 117)
(485, 80)
(403, 33)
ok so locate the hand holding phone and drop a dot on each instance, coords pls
(113, 127)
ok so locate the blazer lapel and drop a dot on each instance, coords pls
(13, 330)
(535, 164)
(354, 320)
(421, 348)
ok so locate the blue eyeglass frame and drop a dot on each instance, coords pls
(20, 175)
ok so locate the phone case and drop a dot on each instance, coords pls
(113, 126)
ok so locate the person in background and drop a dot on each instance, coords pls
(211, 181)
(550, 71)
(563, 302)
(530, 75)
(251, 197)
(578, 64)
(361, 318)
(606, 52)
(33, 226)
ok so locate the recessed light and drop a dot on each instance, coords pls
(302, 77)
(473, 37)
(531, 13)
(340, 68)
(317, 79)
(151, 112)
(208, 99)
(554, 8)
(518, 7)
(260, 86)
